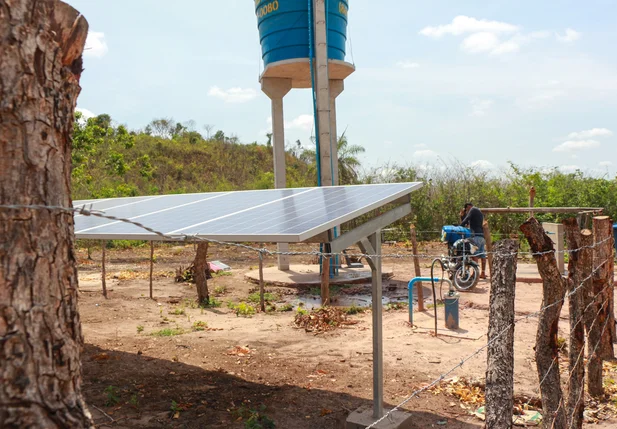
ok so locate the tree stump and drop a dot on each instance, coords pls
(547, 350)
(41, 43)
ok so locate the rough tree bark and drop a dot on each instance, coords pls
(547, 351)
(500, 355)
(591, 308)
(602, 258)
(416, 265)
(41, 43)
(201, 273)
(576, 393)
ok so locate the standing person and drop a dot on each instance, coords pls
(473, 217)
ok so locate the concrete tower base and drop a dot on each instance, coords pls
(363, 417)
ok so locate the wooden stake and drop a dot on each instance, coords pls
(547, 350)
(416, 263)
(201, 275)
(602, 258)
(576, 400)
(594, 369)
(103, 270)
(325, 281)
(151, 265)
(500, 353)
(489, 245)
(262, 303)
(532, 196)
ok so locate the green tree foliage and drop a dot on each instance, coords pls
(348, 162)
(169, 157)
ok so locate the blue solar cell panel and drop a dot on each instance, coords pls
(282, 215)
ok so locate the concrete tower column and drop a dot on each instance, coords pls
(336, 87)
(276, 89)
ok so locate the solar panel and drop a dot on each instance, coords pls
(276, 215)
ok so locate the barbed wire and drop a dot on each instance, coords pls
(482, 348)
(85, 211)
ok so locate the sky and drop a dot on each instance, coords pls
(481, 82)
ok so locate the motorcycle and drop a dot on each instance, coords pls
(462, 270)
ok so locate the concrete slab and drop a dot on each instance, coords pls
(363, 417)
(308, 275)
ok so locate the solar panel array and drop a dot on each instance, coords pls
(275, 215)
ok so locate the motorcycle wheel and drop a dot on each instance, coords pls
(466, 279)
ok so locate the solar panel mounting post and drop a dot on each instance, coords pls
(372, 246)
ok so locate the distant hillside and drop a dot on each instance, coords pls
(110, 161)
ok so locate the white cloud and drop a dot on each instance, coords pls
(86, 114)
(574, 145)
(425, 153)
(302, 122)
(420, 146)
(407, 64)
(96, 46)
(387, 143)
(543, 98)
(605, 163)
(465, 24)
(233, 95)
(482, 163)
(480, 42)
(594, 132)
(570, 36)
(480, 107)
(506, 48)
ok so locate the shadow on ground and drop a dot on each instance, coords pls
(144, 388)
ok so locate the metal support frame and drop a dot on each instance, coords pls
(372, 246)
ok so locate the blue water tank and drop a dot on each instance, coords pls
(284, 29)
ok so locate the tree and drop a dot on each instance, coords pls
(348, 162)
(41, 43)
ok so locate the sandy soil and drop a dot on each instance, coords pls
(210, 378)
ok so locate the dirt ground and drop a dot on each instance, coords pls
(165, 363)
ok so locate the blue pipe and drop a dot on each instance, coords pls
(410, 292)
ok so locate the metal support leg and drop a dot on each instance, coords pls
(377, 307)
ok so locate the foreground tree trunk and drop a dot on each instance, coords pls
(201, 273)
(602, 283)
(500, 355)
(576, 392)
(547, 350)
(41, 43)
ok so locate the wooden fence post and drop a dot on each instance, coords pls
(416, 263)
(576, 393)
(262, 302)
(547, 350)
(325, 281)
(500, 354)
(201, 276)
(602, 258)
(151, 265)
(489, 245)
(104, 245)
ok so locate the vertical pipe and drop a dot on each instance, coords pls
(325, 281)
(376, 311)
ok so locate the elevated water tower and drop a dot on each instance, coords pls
(303, 46)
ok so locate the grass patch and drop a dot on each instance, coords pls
(268, 296)
(439, 304)
(168, 332)
(212, 303)
(220, 290)
(140, 329)
(199, 326)
(221, 274)
(242, 309)
(286, 307)
(396, 306)
(178, 311)
(354, 309)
